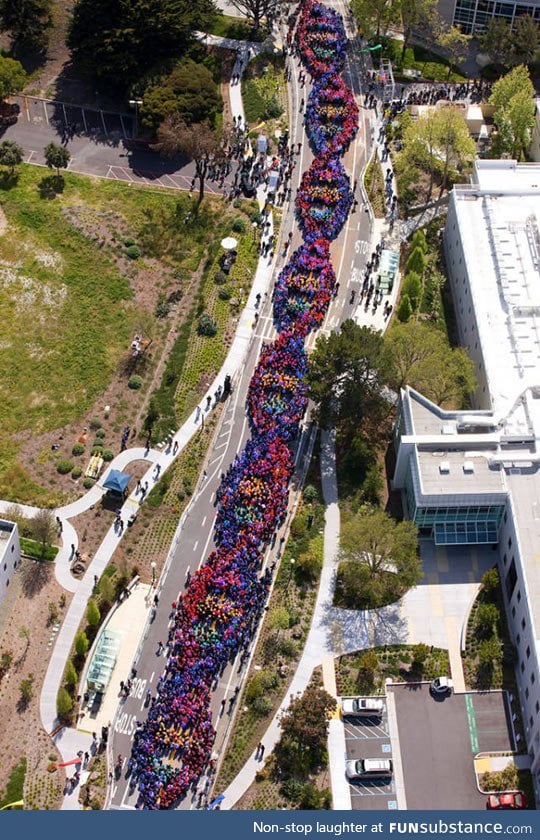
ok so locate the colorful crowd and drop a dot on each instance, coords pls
(216, 616)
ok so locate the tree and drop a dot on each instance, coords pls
(514, 115)
(81, 643)
(56, 157)
(368, 665)
(346, 372)
(64, 704)
(417, 261)
(188, 92)
(420, 654)
(525, 39)
(11, 155)
(374, 17)
(70, 674)
(43, 528)
(487, 616)
(199, 142)
(405, 308)
(386, 550)
(308, 566)
(456, 44)
(415, 13)
(304, 727)
(489, 652)
(28, 22)
(106, 589)
(92, 613)
(256, 10)
(491, 580)
(12, 77)
(496, 41)
(117, 43)
(412, 289)
(419, 355)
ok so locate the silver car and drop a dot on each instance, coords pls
(362, 707)
(369, 768)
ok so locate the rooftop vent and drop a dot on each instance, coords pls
(448, 428)
(444, 467)
(468, 467)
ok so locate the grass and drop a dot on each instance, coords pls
(374, 184)
(77, 302)
(32, 548)
(263, 89)
(227, 26)
(430, 65)
(15, 786)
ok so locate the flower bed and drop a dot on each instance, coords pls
(324, 199)
(331, 116)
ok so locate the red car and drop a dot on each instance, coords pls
(507, 801)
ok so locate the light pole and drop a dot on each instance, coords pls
(136, 103)
(254, 225)
(153, 567)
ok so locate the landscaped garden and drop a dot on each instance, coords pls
(366, 672)
(428, 64)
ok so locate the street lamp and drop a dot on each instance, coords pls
(136, 103)
(153, 567)
(254, 225)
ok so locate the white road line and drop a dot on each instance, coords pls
(27, 108)
(195, 544)
(152, 677)
(204, 520)
(46, 114)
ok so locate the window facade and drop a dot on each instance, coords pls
(474, 15)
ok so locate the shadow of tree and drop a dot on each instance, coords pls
(8, 180)
(35, 574)
(50, 186)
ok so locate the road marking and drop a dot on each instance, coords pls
(152, 677)
(471, 720)
(195, 544)
(45, 111)
(204, 520)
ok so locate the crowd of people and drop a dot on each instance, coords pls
(331, 116)
(216, 615)
(277, 395)
(304, 288)
(324, 198)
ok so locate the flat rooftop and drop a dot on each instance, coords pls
(500, 232)
(447, 473)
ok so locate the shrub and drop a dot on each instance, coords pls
(26, 688)
(81, 643)
(262, 705)
(88, 483)
(207, 326)
(78, 449)
(70, 674)
(273, 109)
(97, 449)
(64, 466)
(135, 382)
(64, 704)
(490, 579)
(225, 293)
(239, 225)
(95, 424)
(92, 613)
(76, 472)
(107, 454)
(310, 493)
(412, 286)
(133, 252)
(220, 277)
(163, 308)
(129, 241)
(101, 433)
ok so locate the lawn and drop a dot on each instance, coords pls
(227, 26)
(264, 91)
(69, 300)
(430, 65)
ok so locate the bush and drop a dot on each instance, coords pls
(93, 614)
(76, 472)
(206, 326)
(64, 466)
(95, 424)
(107, 454)
(97, 449)
(310, 494)
(81, 643)
(239, 225)
(64, 704)
(225, 293)
(262, 705)
(70, 674)
(163, 308)
(490, 580)
(273, 109)
(101, 433)
(220, 277)
(135, 382)
(129, 241)
(133, 252)
(78, 449)
(88, 483)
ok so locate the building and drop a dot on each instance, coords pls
(473, 477)
(10, 553)
(472, 16)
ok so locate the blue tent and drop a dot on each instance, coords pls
(117, 481)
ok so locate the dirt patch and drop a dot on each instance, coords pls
(3, 222)
(27, 606)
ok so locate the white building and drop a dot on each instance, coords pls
(10, 553)
(472, 477)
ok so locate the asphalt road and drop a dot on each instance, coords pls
(195, 543)
(370, 738)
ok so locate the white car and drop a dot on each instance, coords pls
(362, 707)
(369, 768)
(442, 685)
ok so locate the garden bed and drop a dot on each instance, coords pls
(366, 672)
(374, 184)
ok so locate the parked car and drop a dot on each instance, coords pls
(507, 801)
(369, 768)
(362, 707)
(441, 686)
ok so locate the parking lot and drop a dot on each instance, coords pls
(75, 119)
(438, 739)
(368, 737)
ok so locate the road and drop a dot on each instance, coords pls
(100, 143)
(350, 253)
